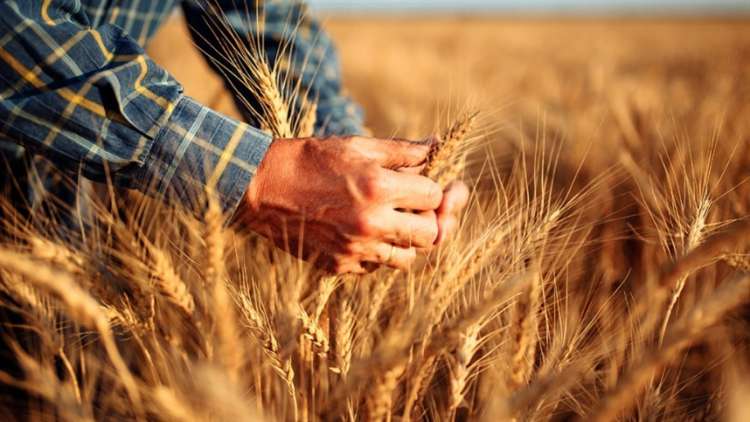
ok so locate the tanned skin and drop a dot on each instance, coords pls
(350, 204)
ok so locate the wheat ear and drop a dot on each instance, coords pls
(381, 400)
(325, 289)
(525, 326)
(79, 305)
(307, 120)
(344, 338)
(56, 254)
(442, 153)
(270, 344)
(735, 237)
(313, 332)
(168, 283)
(694, 238)
(682, 335)
(269, 93)
(460, 369)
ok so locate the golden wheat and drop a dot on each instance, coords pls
(572, 290)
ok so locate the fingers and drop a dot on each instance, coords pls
(446, 227)
(392, 256)
(454, 200)
(408, 229)
(393, 153)
(411, 191)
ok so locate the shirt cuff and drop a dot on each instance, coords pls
(199, 148)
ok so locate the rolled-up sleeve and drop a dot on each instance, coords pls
(198, 147)
(92, 101)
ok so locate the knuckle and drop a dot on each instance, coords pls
(434, 195)
(339, 269)
(371, 183)
(365, 225)
(350, 249)
(340, 266)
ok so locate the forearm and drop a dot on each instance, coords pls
(89, 99)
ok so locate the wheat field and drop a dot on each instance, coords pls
(600, 271)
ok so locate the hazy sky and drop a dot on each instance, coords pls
(534, 5)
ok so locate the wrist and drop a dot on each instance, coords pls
(276, 166)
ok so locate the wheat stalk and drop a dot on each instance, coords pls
(686, 332)
(79, 305)
(524, 326)
(231, 351)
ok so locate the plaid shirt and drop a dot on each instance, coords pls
(77, 89)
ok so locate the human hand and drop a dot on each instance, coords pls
(340, 201)
(455, 197)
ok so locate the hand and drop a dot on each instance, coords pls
(455, 197)
(339, 201)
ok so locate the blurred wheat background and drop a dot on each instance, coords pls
(600, 272)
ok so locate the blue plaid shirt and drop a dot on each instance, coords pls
(77, 89)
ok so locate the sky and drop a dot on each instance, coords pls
(536, 5)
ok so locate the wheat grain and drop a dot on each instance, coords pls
(344, 338)
(314, 333)
(443, 151)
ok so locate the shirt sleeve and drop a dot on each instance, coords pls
(289, 35)
(91, 100)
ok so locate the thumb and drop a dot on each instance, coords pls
(395, 153)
